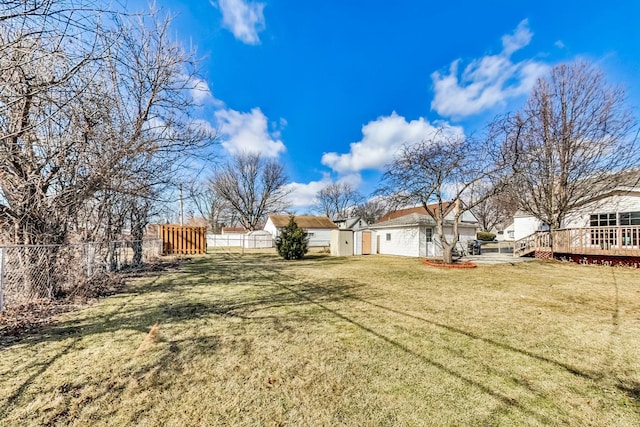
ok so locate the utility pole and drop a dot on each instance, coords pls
(181, 207)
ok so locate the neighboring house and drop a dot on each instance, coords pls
(412, 232)
(352, 223)
(318, 228)
(618, 207)
(233, 230)
(504, 232)
(524, 225)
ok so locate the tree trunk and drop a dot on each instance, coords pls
(137, 232)
(447, 254)
(39, 255)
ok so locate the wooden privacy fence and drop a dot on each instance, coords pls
(183, 239)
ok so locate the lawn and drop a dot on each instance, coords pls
(365, 341)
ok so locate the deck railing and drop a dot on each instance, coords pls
(616, 241)
(540, 240)
(621, 240)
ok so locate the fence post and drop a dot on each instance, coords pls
(2, 256)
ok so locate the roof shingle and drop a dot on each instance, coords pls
(303, 221)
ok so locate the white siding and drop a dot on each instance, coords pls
(412, 240)
(271, 228)
(507, 234)
(319, 237)
(357, 243)
(524, 226)
(613, 204)
(403, 241)
(466, 234)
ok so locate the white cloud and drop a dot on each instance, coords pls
(381, 139)
(200, 91)
(244, 19)
(304, 195)
(488, 81)
(248, 132)
(520, 38)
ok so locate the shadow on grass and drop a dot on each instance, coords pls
(630, 390)
(175, 298)
(167, 297)
(506, 400)
(166, 301)
(43, 366)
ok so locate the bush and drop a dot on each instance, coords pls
(485, 236)
(292, 243)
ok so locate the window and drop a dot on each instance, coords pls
(630, 236)
(388, 237)
(629, 218)
(603, 220)
(429, 234)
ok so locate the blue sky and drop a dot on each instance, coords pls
(333, 88)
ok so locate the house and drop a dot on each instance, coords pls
(505, 232)
(617, 207)
(412, 232)
(606, 225)
(351, 223)
(318, 228)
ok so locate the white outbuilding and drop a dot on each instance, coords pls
(318, 228)
(412, 232)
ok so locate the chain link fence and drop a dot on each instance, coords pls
(44, 272)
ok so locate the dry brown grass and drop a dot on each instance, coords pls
(254, 340)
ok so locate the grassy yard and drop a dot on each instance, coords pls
(368, 341)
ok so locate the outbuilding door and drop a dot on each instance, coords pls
(366, 243)
(431, 250)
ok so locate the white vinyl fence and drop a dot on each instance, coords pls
(32, 272)
(247, 241)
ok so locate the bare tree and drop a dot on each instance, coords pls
(495, 210)
(92, 106)
(151, 115)
(446, 169)
(371, 210)
(337, 199)
(253, 187)
(570, 142)
(211, 206)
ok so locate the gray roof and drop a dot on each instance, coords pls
(415, 219)
(406, 220)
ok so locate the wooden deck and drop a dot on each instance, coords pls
(601, 241)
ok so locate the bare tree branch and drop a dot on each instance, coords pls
(443, 170)
(253, 187)
(573, 140)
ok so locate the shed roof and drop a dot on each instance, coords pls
(413, 218)
(228, 230)
(416, 219)
(446, 206)
(303, 221)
